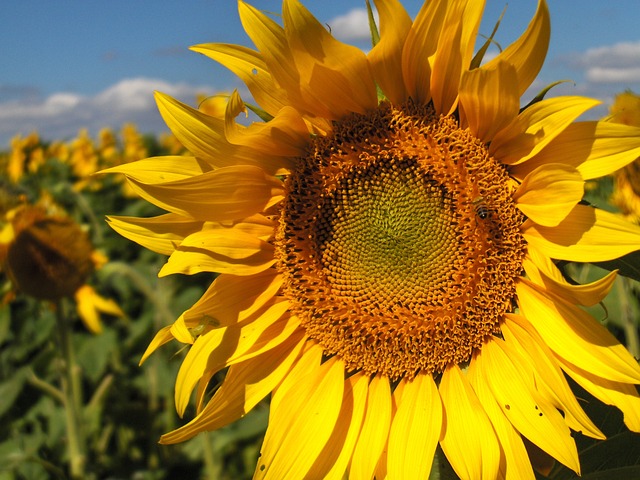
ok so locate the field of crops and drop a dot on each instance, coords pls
(71, 389)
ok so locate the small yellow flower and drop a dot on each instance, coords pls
(133, 144)
(26, 155)
(84, 158)
(387, 265)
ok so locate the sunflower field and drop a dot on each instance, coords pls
(399, 264)
(120, 409)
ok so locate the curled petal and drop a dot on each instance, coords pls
(286, 134)
(421, 44)
(595, 149)
(386, 57)
(542, 271)
(160, 234)
(536, 127)
(527, 54)
(573, 334)
(549, 193)
(586, 235)
(454, 52)
(248, 65)
(245, 384)
(489, 99)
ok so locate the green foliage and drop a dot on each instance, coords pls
(125, 408)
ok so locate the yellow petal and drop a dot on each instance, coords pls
(181, 332)
(502, 368)
(586, 235)
(301, 423)
(595, 149)
(454, 52)
(338, 73)
(386, 57)
(489, 99)
(541, 270)
(161, 169)
(421, 44)
(85, 306)
(575, 335)
(333, 461)
(286, 134)
(536, 126)
(204, 136)
(244, 386)
(468, 439)
(550, 380)
(621, 395)
(90, 304)
(231, 299)
(163, 336)
(374, 431)
(159, 234)
(415, 429)
(228, 242)
(228, 193)
(274, 49)
(549, 193)
(251, 69)
(527, 54)
(514, 463)
(225, 346)
(190, 260)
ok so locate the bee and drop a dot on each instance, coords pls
(482, 210)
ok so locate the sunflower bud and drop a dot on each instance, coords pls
(47, 257)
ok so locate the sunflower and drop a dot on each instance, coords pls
(385, 240)
(626, 109)
(48, 256)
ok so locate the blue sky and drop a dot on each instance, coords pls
(70, 64)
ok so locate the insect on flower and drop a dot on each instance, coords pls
(481, 208)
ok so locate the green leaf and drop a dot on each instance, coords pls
(373, 28)
(94, 353)
(627, 266)
(10, 389)
(540, 96)
(479, 56)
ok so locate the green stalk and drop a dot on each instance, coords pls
(625, 292)
(71, 390)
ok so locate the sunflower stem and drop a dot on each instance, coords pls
(212, 471)
(71, 390)
(628, 324)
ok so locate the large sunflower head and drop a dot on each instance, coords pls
(386, 241)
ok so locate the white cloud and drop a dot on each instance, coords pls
(353, 25)
(618, 63)
(613, 75)
(619, 54)
(61, 115)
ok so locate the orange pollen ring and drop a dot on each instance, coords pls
(399, 242)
